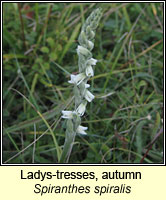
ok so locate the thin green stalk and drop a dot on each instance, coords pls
(121, 49)
(26, 85)
(58, 149)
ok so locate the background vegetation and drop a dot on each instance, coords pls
(39, 52)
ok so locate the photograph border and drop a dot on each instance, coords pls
(87, 164)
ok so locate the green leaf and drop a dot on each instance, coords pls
(44, 49)
(140, 136)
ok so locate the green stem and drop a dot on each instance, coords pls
(67, 149)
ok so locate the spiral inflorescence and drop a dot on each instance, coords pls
(85, 62)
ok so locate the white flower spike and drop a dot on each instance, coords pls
(81, 130)
(82, 95)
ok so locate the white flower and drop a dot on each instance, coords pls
(91, 61)
(83, 51)
(81, 109)
(89, 71)
(72, 78)
(90, 44)
(81, 130)
(89, 96)
(67, 114)
(149, 117)
(77, 79)
(87, 85)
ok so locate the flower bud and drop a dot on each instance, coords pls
(89, 96)
(83, 51)
(81, 108)
(89, 71)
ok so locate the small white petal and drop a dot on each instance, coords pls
(77, 79)
(89, 96)
(149, 117)
(67, 114)
(71, 82)
(81, 130)
(91, 61)
(72, 79)
(87, 85)
(81, 109)
(89, 71)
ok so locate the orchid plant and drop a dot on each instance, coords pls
(81, 93)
